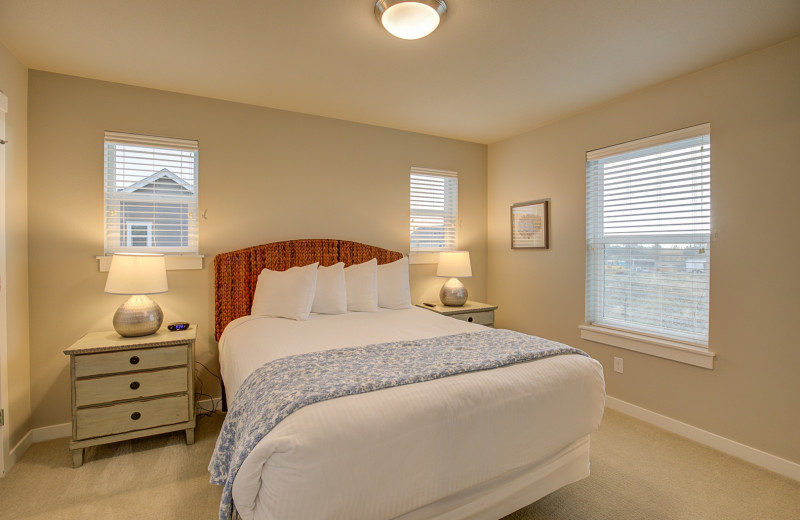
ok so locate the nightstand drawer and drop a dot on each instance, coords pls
(130, 386)
(126, 417)
(130, 360)
(481, 318)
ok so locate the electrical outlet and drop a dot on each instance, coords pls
(618, 364)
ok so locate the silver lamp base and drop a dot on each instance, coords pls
(453, 293)
(138, 316)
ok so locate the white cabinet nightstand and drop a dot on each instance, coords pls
(123, 388)
(475, 312)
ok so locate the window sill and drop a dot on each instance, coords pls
(423, 258)
(174, 262)
(663, 348)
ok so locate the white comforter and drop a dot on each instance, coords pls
(385, 453)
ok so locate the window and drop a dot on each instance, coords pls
(140, 234)
(150, 194)
(434, 210)
(648, 227)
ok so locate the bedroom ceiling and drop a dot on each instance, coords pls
(493, 69)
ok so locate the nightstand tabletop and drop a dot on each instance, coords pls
(108, 341)
(470, 306)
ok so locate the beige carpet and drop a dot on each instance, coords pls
(638, 472)
(643, 472)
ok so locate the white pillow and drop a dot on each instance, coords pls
(331, 293)
(393, 288)
(285, 294)
(362, 286)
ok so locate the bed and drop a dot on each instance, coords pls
(480, 444)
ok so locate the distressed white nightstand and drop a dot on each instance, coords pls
(475, 312)
(123, 388)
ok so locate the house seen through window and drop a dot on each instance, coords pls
(151, 196)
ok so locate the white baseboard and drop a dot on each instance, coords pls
(37, 435)
(752, 455)
(17, 451)
(48, 433)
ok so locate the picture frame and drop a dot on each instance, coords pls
(530, 224)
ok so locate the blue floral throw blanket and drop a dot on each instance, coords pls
(280, 387)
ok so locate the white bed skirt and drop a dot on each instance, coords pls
(508, 493)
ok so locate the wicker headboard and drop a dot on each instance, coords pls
(236, 273)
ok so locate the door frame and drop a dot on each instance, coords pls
(5, 458)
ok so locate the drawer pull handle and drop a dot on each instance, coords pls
(135, 416)
(135, 385)
(134, 360)
(469, 319)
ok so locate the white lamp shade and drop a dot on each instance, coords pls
(137, 274)
(454, 264)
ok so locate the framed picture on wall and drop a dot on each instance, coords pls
(530, 224)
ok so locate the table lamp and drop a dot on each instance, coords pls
(455, 265)
(137, 274)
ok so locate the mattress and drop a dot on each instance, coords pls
(391, 452)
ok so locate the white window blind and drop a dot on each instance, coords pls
(648, 226)
(151, 197)
(434, 210)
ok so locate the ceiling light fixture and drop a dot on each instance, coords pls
(410, 19)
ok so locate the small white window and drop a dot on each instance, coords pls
(648, 227)
(434, 211)
(151, 196)
(140, 234)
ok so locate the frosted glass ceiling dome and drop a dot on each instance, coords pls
(410, 19)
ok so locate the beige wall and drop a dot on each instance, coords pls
(753, 104)
(265, 175)
(14, 83)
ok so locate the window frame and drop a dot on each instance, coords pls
(182, 159)
(677, 347)
(449, 212)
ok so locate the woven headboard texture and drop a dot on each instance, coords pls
(236, 273)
